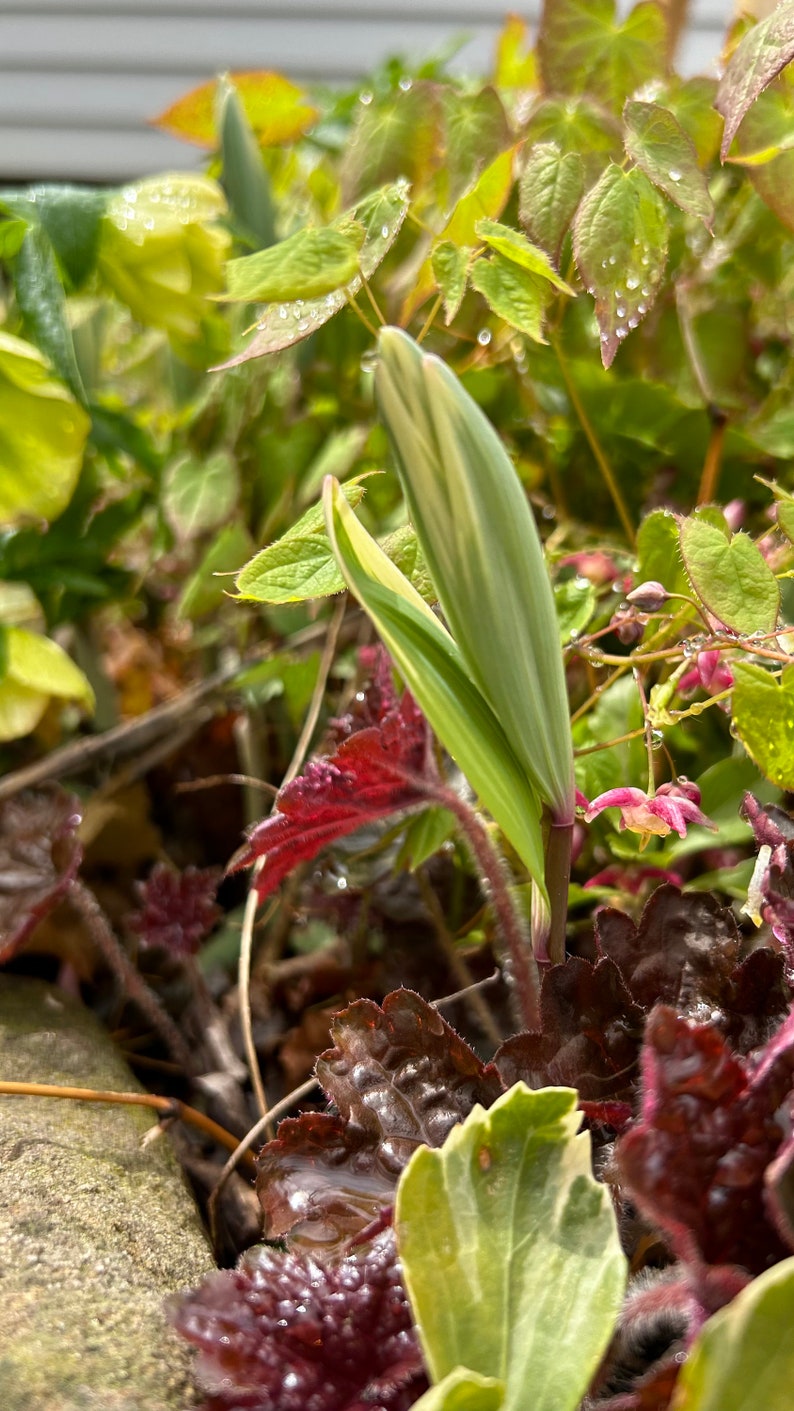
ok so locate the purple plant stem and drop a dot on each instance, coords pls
(558, 876)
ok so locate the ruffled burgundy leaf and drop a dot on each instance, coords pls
(178, 909)
(590, 1038)
(376, 771)
(286, 1332)
(399, 1076)
(697, 1160)
(40, 854)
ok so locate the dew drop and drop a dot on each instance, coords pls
(484, 337)
(645, 291)
(645, 260)
(406, 84)
(365, 97)
(385, 232)
(642, 309)
(633, 321)
(341, 884)
(603, 264)
(549, 512)
(369, 361)
(621, 332)
(613, 259)
(621, 310)
(674, 174)
(632, 281)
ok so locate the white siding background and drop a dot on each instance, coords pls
(80, 78)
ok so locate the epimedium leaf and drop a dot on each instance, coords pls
(450, 263)
(584, 48)
(730, 576)
(509, 1221)
(475, 526)
(659, 560)
(476, 130)
(743, 1356)
(757, 60)
(204, 592)
(277, 110)
(763, 718)
(515, 247)
(463, 1390)
(655, 140)
(298, 566)
(763, 146)
(513, 294)
(432, 665)
(577, 126)
(405, 552)
(514, 64)
(40, 854)
(398, 134)
(307, 265)
(549, 191)
(199, 495)
(575, 602)
(620, 237)
(290, 1330)
(284, 323)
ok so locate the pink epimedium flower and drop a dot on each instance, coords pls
(710, 672)
(672, 807)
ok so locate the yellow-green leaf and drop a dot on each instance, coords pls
(277, 110)
(43, 431)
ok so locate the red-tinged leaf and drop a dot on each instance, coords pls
(399, 1076)
(590, 1039)
(620, 238)
(550, 189)
(583, 47)
(696, 1162)
(756, 61)
(285, 1332)
(375, 772)
(39, 857)
(277, 110)
(655, 140)
(178, 909)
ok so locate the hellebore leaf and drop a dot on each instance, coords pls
(398, 1076)
(39, 857)
(291, 1331)
(755, 62)
(435, 671)
(743, 1357)
(484, 553)
(507, 1220)
(43, 435)
(730, 576)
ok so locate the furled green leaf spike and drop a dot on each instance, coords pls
(485, 557)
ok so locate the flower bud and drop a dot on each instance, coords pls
(648, 597)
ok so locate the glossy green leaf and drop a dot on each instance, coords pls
(439, 678)
(743, 1358)
(549, 191)
(300, 565)
(71, 216)
(575, 601)
(577, 126)
(307, 265)
(730, 576)
(655, 140)
(658, 555)
(583, 47)
(515, 247)
(620, 239)
(510, 1251)
(513, 294)
(282, 324)
(478, 535)
(691, 101)
(763, 718)
(199, 495)
(34, 669)
(476, 130)
(463, 1390)
(451, 272)
(43, 431)
(245, 180)
(764, 143)
(401, 134)
(755, 62)
(12, 233)
(43, 307)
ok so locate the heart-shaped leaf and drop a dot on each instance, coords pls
(763, 718)
(730, 576)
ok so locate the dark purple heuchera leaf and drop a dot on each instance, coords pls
(39, 857)
(685, 952)
(284, 1332)
(591, 1032)
(178, 909)
(399, 1076)
(377, 770)
(772, 888)
(696, 1162)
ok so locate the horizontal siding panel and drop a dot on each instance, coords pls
(55, 154)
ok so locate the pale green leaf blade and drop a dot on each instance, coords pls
(743, 1359)
(583, 47)
(308, 265)
(300, 565)
(463, 1390)
(43, 432)
(549, 191)
(450, 263)
(199, 495)
(620, 239)
(515, 247)
(655, 140)
(759, 58)
(510, 1250)
(485, 557)
(432, 667)
(35, 661)
(515, 295)
(730, 576)
(763, 718)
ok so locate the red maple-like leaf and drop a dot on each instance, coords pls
(379, 769)
(40, 853)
